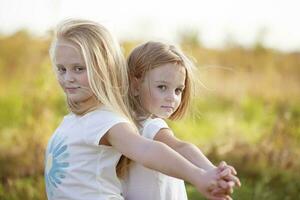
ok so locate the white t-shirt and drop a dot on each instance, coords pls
(146, 184)
(77, 167)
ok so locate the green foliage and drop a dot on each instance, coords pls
(32, 188)
(249, 115)
(265, 187)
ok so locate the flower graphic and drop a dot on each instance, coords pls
(56, 157)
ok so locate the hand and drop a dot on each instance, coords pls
(207, 185)
(228, 173)
(227, 180)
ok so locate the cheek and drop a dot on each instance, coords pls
(178, 100)
(155, 97)
(144, 98)
(84, 80)
(60, 79)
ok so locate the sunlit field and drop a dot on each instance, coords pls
(246, 112)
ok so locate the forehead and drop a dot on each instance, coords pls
(67, 52)
(168, 72)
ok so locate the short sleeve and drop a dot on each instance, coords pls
(152, 126)
(99, 123)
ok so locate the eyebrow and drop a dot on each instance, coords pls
(81, 64)
(73, 64)
(161, 81)
(168, 82)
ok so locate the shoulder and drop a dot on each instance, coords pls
(155, 122)
(103, 116)
(152, 126)
(98, 122)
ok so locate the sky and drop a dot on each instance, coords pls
(276, 22)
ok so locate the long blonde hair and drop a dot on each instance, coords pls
(150, 55)
(106, 67)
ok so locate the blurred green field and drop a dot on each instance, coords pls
(247, 113)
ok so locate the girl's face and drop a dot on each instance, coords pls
(71, 71)
(160, 91)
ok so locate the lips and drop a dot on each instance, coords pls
(71, 89)
(168, 107)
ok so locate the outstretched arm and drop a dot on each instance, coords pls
(151, 154)
(190, 151)
(160, 157)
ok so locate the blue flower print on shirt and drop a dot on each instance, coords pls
(56, 157)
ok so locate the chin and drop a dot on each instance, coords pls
(166, 116)
(76, 99)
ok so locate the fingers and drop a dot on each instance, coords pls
(233, 179)
(221, 190)
(225, 172)
(218, 192)
(221, 187)
(228, 198)
(226, 186)
(220, 198)
(233, 171)
(223, 184)
(213, 185)
(223, 165)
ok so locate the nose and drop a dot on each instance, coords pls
(69, 76)
(171, 96)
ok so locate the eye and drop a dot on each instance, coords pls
(61, 69)
(79, 68)
(162, 87)
(178, 91)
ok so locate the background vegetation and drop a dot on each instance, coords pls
(247, 113)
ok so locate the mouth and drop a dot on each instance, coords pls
(71, 89)
(168, 107)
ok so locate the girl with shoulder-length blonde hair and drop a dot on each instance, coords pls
(151, 55)
(161, 79)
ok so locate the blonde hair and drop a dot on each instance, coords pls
(105, 63)
(150, 55)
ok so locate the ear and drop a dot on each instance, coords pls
(135, 86)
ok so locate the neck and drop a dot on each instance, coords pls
(83, 107)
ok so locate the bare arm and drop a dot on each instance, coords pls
(152, 154)
(189, 151)
(160, 157)
(192, 153)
